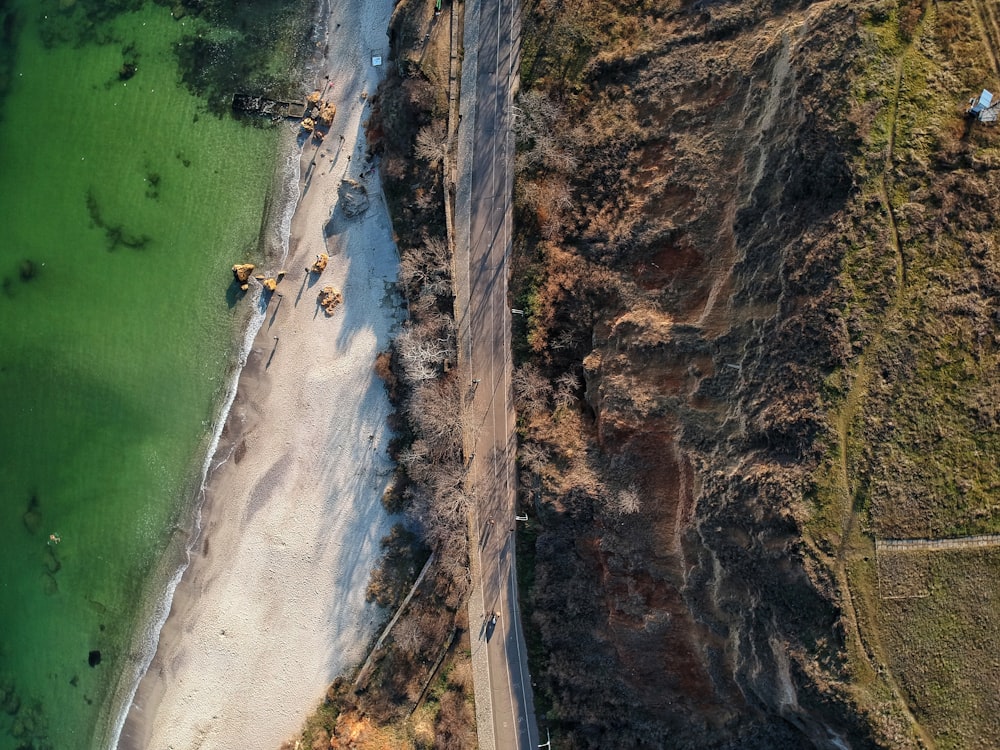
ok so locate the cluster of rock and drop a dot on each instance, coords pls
(270, 284)
(243, 271)
(329, 298)
(27, 724)
(319, 116)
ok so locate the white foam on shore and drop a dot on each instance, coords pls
(146, 641)
(291, 174)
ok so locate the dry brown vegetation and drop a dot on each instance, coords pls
(760, 234)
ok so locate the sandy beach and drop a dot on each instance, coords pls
(272, 604)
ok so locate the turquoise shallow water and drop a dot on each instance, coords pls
(113, 358)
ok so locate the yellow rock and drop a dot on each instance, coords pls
(270, 284)
(321, 260)
(242, 271)
(314, 97)
(329, 299)
(260, 277)
(308, 124)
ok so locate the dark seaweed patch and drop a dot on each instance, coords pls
(116, 234)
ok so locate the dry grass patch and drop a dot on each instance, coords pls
(945, 648)
(903, 575)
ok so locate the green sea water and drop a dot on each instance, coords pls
(123, 204)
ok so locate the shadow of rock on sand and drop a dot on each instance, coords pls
(334, 226)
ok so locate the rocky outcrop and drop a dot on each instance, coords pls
(242, 273)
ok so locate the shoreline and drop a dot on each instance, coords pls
(286, 183)
(275, 518)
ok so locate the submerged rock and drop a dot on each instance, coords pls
(50, 561)
(11, 703)
(32, 520)
(94, 658)
(49, 584)
(28, 269)
(9, 700)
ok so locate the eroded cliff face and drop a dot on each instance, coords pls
(695, 292)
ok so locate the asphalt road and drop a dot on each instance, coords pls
(489, 326)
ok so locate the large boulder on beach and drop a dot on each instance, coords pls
(242, 272)
(353, 198)
(329, 299)
(320, 265)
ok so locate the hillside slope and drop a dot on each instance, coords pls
(756, 247)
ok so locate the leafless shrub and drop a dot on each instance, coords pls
(531, 389)
(432, 142)
(534, 114)
(626, 502)
(422, 357)
(454, 723)
(533, 456)
(407, 636)
(536, 117)
(396, 570)
(567, 385)
(426, 270)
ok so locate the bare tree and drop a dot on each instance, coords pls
(416, 459)
(533, 456)
(432, 142)
(550, 198)
(531, 389)
(535, 128)
(421, 356)
(567, 385)
(434, 410)
(408, 636)
(565, 340)
(426, 270)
